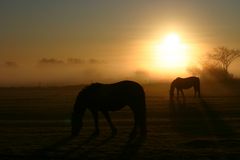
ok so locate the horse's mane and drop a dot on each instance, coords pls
(89, 87)
(178, 78)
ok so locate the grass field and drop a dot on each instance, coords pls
(35, 124)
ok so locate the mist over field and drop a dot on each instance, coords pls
(56, 72)
(72, 71)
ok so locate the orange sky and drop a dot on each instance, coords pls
(86, 41)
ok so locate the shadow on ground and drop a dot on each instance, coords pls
(198, 118)
(88, 148)
(206, 127)
(217, 124)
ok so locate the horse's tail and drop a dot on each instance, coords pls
(141, 113)
(198, 87)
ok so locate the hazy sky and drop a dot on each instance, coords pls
(64, 42)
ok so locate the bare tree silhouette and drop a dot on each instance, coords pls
(224, 56)
(215, 64)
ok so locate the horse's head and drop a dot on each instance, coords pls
(77, 115)
(171, 94)
(171, 91)
(76, 123)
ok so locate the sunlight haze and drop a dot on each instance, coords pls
(72, 42)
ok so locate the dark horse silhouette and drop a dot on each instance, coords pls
(185, 83)
(110, 97)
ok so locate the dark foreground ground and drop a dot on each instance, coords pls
(35, 125)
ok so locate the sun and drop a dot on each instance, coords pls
(170, 53)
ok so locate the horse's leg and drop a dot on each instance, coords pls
(95, 117)
(108, 118)
(182, 93)
(178, 93)
(136, 124)
(134, 130)
(195, 91)
(198, 89)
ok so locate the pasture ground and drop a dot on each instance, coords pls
(35, 124)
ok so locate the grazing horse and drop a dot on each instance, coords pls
(110, 97)
(185, 83)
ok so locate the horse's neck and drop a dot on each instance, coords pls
(79, 106)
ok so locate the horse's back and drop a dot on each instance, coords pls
(195, 80)
(188, 79)
(128, 87)
(186, 82)
(126, 90)
(116, 95)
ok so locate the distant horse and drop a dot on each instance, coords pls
(185, 83)
(110, 97)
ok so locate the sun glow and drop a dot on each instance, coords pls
(170, 53)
